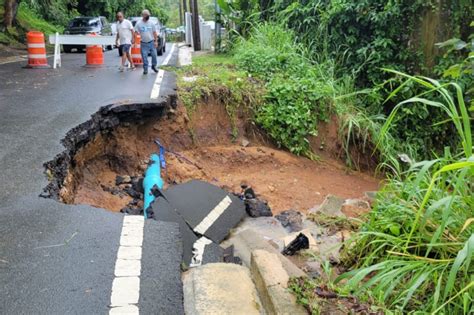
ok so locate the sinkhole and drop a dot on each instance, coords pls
(105, 158)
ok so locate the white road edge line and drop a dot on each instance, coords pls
(155, 91)
(126, 284)
(198, 251)
(212, 216)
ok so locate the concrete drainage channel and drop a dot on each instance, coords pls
(103, 165)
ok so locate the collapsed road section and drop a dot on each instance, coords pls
(193, 176)
(204, 212)
(107, 157)
(91, 140)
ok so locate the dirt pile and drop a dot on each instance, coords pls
(118, 140)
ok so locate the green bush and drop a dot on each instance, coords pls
(299, 93)
(291, 112)
(270, 49)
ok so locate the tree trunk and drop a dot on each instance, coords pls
(185, 7)
(9, 13)
(11, 8)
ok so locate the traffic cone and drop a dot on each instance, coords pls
(36, 50)
(136, 51)
(94, 55)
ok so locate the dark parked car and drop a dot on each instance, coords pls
(86, 25)
(161, 33)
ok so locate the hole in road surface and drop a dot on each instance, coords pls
(106, 156)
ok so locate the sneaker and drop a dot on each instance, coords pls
(133, 68)
(121, 68)
(145, 71)
(154, 68)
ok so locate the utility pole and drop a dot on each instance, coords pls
(193, 6)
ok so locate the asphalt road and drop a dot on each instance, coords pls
(56, 258)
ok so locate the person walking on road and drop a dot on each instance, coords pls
(125, 36)
(149, 41)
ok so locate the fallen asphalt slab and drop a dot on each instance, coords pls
(205, 214)
(57, 258)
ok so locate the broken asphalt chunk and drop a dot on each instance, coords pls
(254, 206)
(207, 209)
(257, 208)
(162, 210)
(292, 220)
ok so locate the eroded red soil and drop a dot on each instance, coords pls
(285, 180)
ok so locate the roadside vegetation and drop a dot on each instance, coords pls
(295, 64)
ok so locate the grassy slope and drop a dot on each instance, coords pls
(27, 20)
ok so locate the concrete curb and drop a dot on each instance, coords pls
(220, 288)
(184, 55)
(271, 281)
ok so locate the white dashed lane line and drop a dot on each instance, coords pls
(155, 91)
(126, 284)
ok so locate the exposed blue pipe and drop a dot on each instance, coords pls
(152, 178)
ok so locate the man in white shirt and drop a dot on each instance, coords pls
(125, 36)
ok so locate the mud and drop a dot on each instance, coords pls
(118, 140)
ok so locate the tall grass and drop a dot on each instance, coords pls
(415, 252)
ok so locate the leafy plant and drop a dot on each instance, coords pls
(290, 114)
(458, 63)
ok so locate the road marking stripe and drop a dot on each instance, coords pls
(155, 91)
(167, 59)
(126, 285)
(198, 251)
(212, 216)
(129, 309)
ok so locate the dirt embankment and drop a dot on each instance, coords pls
(206, 140)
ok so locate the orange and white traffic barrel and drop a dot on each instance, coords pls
(36, 50)
(94, 55)
(136, 51)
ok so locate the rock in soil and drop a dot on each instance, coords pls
(137, 183)
(292, 220)
(132, 210)
(119, 180)
(254, 206)
(355, 207)
(257, 208)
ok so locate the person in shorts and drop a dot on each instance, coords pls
(125, 36)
